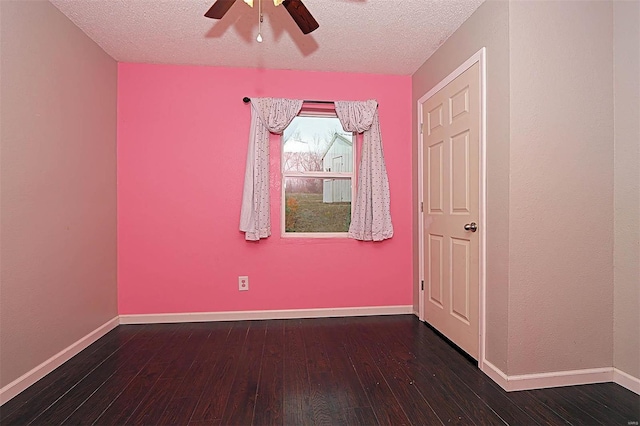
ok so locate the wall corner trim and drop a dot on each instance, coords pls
(495, 374)
(265, 315)
(626, 380)
(560, 378)
(37, 373)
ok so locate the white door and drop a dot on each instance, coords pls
(451, 192)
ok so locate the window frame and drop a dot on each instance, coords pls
(325, 113)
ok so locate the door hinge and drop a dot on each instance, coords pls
(422, 285)
(421, 127)
(421, 206)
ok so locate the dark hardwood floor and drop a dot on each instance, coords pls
(370, 370)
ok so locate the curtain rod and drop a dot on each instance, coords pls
(246, 100)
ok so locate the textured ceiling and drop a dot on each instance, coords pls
(370, 36)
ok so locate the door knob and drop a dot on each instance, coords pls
(471, 227)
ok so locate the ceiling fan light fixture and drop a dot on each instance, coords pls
(275, 2)
(296, 9)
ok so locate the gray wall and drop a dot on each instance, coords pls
(626, 249)
(58, 182)
(561, 186)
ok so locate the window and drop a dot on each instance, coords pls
(318, 166)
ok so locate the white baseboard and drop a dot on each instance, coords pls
(560, 378)
(547, 380)
(626, 380)
(264, 315)
(37, 373)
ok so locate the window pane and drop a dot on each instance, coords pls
(317, 205)
(315, 144)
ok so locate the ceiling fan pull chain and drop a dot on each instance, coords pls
(259, 38)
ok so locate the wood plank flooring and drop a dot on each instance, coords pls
(390, 370)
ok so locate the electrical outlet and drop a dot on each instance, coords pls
(243, 283)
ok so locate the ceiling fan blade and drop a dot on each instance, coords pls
(301, 15)
(219, 8)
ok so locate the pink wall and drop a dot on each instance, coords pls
(182, 143)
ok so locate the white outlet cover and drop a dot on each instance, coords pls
(243, 283)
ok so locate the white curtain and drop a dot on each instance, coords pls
(371, 216)
(267, 115)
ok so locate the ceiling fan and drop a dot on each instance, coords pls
(296, 9)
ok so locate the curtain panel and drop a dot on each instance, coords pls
(268, 115)
(371, 218)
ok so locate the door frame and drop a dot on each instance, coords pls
(481, 58)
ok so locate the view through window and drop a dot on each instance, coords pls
(317, 176)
